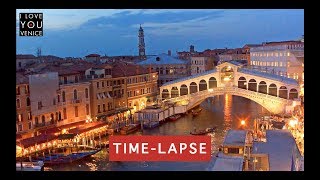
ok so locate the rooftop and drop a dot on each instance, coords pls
(93, 55)
(122, 69)
(235, 138)
(227, 164)
(281, 149)
(163, 59)
(21, 78)
(25, 56)
(269, 76)
(282, 43)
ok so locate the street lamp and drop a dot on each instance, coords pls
(243, 122)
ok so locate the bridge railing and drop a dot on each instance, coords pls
(232, 89)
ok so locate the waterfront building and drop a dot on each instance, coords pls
(168, 67)
(284, 58)
(142, 85)
(23, 105)
(237, 143)
(278, 153)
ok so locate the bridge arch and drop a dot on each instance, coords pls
(283, 92)
(183, 90)
(165, 94)
(293, 93)
(273, 90)
(242, 83)
(174, 92)
(263, 88)
(252, 85)
(193, 87)
(213, 83)
(203, 85)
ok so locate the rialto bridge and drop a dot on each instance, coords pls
(276, 93)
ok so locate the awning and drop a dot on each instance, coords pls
(18, 136)
(66, 136)
(25, 143)
(58, 129)
(87, 128)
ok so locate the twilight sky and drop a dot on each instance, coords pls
(76, 33)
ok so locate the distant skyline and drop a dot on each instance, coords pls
(76, 33)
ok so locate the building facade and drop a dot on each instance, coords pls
(23, 105)
(200, 64)
(284, 58)
(169, 68)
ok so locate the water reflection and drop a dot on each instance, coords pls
(227, 111)
(221, 111)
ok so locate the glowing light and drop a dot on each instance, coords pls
(210, 90)
(226, 78)
(64, 131)
(154, 76)
(243, 122)
(293, 123)
(87, 120)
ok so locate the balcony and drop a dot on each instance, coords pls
(75, 101)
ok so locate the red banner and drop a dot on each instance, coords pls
(159, 148)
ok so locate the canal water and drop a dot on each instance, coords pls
(225, 112)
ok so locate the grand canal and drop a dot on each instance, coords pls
(225, 112)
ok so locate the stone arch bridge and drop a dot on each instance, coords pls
(276, 93)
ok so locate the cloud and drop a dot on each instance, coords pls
(114, 32)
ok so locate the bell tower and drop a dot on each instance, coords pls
(142, 50)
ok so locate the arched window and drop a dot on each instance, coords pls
(87, 93)
(63, 96)
(75, 94)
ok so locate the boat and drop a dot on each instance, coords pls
(203, 131)
(30, 166)
(196, 112)
(129, 129)
(57, 159)
(151, 125)
(174, 117)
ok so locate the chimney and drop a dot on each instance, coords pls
(169, 52)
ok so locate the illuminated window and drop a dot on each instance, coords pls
(29, 116)
(288, 64)
(280, 64)
(288, 54)
(302, 76)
